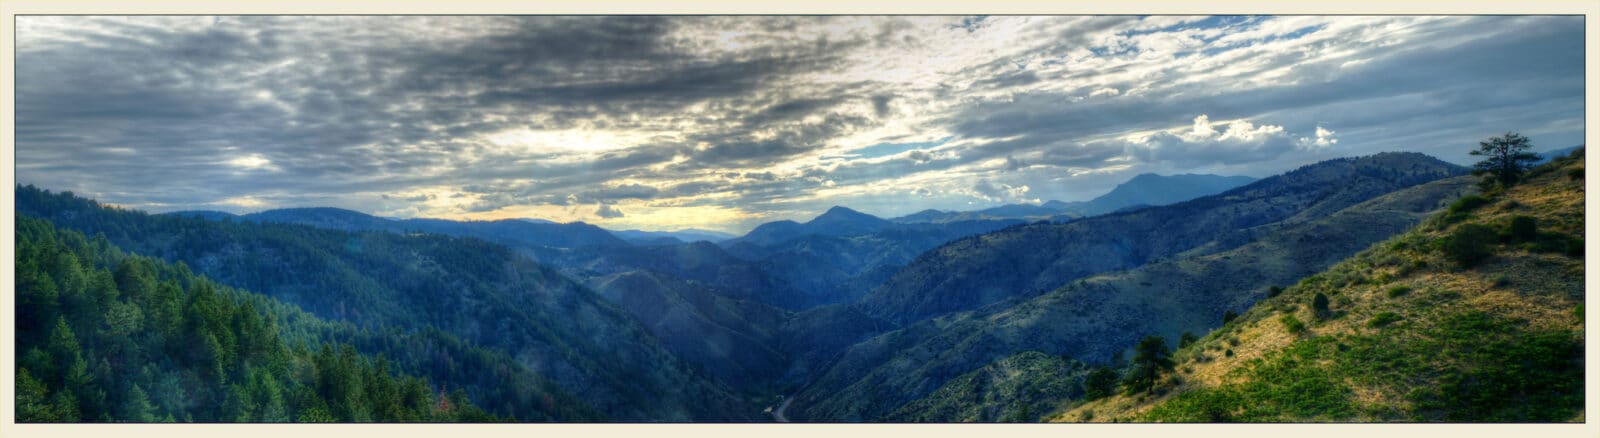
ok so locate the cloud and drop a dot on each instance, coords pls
(990, 191)
(1237, 141)
(608, 212)
(756, 116)
(1322, 139)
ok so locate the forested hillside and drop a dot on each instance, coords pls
(105, 336)
(476, 292)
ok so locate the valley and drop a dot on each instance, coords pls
(850, 317)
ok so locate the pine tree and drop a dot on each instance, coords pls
(32, 399)
(1508, 158)
(1151, 357)
(136, 406)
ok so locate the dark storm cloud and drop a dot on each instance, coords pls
(331, 109)
(608, 212)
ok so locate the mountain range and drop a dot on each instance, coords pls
(1002, 314)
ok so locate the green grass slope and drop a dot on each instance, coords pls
(1473, 316)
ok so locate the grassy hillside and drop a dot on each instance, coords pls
(1094, 318)
(1017, 389)
(1473, 316)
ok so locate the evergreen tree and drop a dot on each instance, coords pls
(1507, 158)
(136, 406)
(1151, 357)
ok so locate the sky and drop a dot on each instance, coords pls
(726, 122)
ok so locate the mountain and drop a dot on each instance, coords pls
(110, 337)
(1551, 155)
(1026, 260)
(481, 293)
(733, 340)
(1094, 318)
(638, 237)
(530, 233)
(515, 232)
(204, 214)
(837, 221)
(1152, 189)
(1142, 190)
(1222, 266)
(325, 217)
(1476, 315)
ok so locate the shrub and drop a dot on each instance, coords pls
(1228, 352)
(1319, 305)
(1575, 247)
(1502, 281)
(1399, 290)
(1468, 203)
(1293, 324)
(1468, 245)
(1274, 291)
(1186, 340)
(1228, 317)
(1575, 174)
(1523, 229)
(1383, 319)
(1100, 383)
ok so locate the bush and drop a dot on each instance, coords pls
(1293, 324)
(1186, 340)
(1468, 245)
(1383, 319)
(1523, 229)
(1100, 383)
(1228, 317)
(1319, 305)
(1575, 174)
(1468, 203)
(1274, 291)
(1228, 352)
(1399, 290)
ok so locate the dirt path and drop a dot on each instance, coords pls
(777, 415)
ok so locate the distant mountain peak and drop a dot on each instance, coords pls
(843, 212)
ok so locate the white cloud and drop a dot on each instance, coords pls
(252, 162)
(1235, 141)
(1324, 138)
(1000, 192)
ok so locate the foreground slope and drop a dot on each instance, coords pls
(1476, 315)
